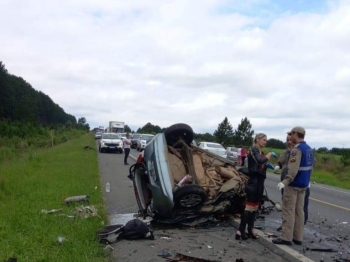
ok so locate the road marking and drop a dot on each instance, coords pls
(330, 204)
(332, 189)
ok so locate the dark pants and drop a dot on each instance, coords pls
(306, 205)
(243, 159)
(126, 152)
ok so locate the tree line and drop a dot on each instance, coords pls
(243, 135)
(25, 111)
(19, 101)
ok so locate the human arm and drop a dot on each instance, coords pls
(259, 159)
(293, 166)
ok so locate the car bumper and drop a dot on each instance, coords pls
(112, 148)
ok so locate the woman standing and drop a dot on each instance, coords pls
(255, 187)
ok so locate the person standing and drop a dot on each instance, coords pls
(282, 163)
(255, 186)
(239, 156)
(296, 181)
(243, 155)
(126, 145)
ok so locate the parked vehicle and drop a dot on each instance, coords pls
(110, 142)
(123, 135)
(232, 154)
(214, 148)
(98, 135)
(116, 127)
(176, 181)
(143, 140)
(134, 139)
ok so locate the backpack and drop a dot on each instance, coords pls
(134, 229)
(137, 229)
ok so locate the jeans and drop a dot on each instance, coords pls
(126, 151)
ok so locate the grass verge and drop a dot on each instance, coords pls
(41, 181)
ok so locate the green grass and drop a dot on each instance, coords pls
(41, 181)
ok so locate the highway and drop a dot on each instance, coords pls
(328, 226)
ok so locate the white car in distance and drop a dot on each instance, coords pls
(110, 142)
(213, 148)
(143, 140)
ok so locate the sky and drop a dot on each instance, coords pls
(279, 63)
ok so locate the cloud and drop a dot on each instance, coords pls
(196, 62)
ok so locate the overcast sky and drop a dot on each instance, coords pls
(280, 63)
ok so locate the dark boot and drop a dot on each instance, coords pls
(251, 221)
(243, 224)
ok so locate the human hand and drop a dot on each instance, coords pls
(277, 168)
(280, 186)
(270, 166)
(273, 154)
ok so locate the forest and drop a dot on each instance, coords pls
(30, 119)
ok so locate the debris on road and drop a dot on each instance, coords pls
(184, 258)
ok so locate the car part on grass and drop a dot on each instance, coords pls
(81, 198)
(51, 211)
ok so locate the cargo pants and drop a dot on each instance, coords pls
(293, 213)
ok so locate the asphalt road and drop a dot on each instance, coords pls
(329, 213)
(328, 226)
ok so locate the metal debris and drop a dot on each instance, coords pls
(184, 258)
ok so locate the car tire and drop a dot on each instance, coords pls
(176, 131)
(189, 196)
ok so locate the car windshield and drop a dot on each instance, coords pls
(215, 146)
(147, 137)
(99, 133)
(136, 136)
(110, 136)
(234, 149)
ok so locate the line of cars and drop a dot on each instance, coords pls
(114, 141)
(230, 153)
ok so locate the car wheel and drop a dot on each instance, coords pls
(189, 196)
(174, 132)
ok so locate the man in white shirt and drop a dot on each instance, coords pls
(126, 146)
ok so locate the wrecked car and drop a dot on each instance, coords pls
(174, 180)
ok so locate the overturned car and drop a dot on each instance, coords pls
(174, 180)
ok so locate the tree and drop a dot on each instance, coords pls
(82, 121)
(243, 135)
(127, 129)
(322, 150)
(150, 129)
(276, 143)
(204, 137)
(224, 132)
(82, 124)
